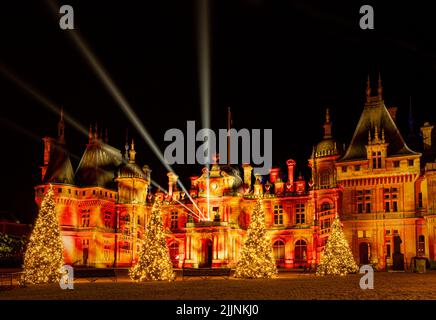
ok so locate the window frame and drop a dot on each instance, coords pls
(278, 214)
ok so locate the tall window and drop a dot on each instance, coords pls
(85, 218)
(420, 203)
(279, 249)
(376, 160)
(363, 201)
(325, 223)
(387, 207)
(278, 214)
(391, 199)
(174, 220)
(300, 251)
(107, 220)
(368, 207)
(106, 252)
(300, 216)
(325, 179)
(421, 245)
(388, 248)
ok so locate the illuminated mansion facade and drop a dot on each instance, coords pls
(383, 191)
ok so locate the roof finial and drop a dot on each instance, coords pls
(96, 131)
(369, 136)
(132, 151)
(126, 146)
(376, 138)
(368, 89)
(90, 133)
(383, 135)
(327, 125)
(61, 127)
(380, 87)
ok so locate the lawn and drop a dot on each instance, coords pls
(293, 286)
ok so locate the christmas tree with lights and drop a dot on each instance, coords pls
(337, 258)
(154, 261)
(44, 258)
(256, 259)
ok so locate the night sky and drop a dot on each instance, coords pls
(276, 64)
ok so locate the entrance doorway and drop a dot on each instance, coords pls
(206, 253)
(85, 256)
(364, 253)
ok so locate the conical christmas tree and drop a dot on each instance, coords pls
(154, 261)
(256, 259)
(337, 258)
(44, 258)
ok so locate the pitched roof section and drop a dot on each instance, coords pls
(375, 114)
(59, 168)
(98, 165)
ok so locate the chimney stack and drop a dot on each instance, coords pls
(274, 174)
(426, 131)
(247, 174)
(172, 183)
(291, 166)
(258, 187)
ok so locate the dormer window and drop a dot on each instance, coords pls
(376, 160)
(376, 149)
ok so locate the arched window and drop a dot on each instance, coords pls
(279, 249)
(174, 252)
(300, 251)
(325, 206)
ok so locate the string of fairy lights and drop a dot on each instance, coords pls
(337, 258)
(154, 261)
(256, 259)
(44, 259)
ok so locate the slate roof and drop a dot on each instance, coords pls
(131, 170)
(59, 168)
(98, 165)
(375, 114)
